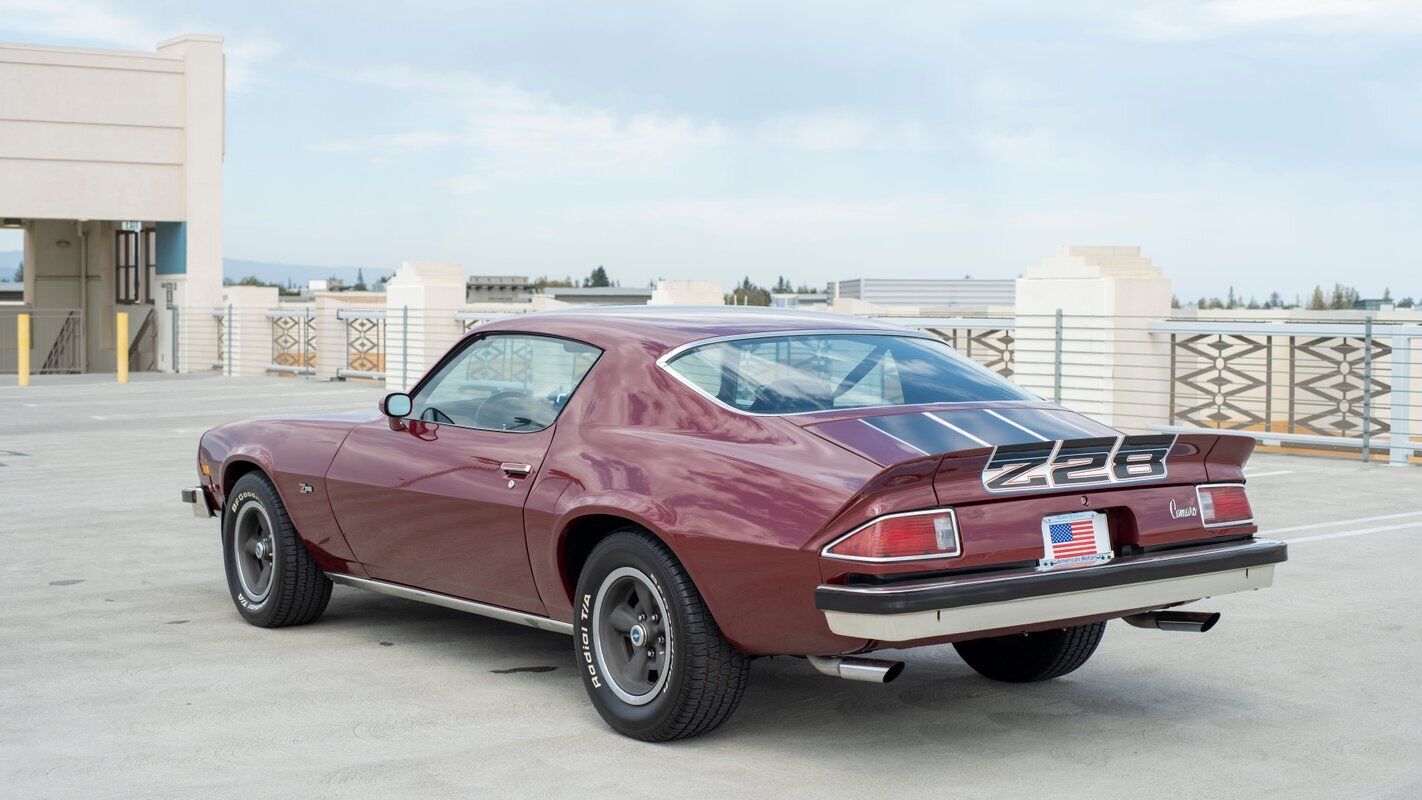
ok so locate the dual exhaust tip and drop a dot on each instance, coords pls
(1185, 621)
(869, 670)
(878, 670)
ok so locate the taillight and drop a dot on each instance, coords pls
(1223, 504)
(909, 536)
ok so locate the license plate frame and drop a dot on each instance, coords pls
(1073, 554)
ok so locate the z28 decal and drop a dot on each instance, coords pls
(1077, 463)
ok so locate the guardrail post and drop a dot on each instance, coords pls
(1057, 362)
(1367, 387)
(1400, 434)
(227, 362)
(22, 342)
(121, 345)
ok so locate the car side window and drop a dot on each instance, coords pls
(505, 382)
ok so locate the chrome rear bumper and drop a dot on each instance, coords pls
(994, 601)
(197, 498)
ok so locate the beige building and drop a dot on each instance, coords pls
(111, 164)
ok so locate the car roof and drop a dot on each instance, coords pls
(662, 328)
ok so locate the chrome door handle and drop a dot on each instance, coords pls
(512, 469)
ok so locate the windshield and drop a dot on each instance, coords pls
(795, 374)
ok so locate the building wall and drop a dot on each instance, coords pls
(107, 136)
(928, 292)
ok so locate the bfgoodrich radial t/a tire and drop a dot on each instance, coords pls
(652, 659)
(273, 579)
(1027, 657)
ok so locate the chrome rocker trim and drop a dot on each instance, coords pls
(456, 603)
(994, 601)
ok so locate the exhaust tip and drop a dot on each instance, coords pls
(867, 670)
(1183, 621)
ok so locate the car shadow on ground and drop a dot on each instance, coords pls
(938, 698)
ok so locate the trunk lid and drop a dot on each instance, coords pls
(1005, 466)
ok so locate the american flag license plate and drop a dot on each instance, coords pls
(1079, 538)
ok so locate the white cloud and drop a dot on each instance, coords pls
(839, 130)
(89, 21)
(1177, 20)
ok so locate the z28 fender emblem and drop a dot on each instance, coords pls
(1077, 463)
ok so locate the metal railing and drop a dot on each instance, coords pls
(56, 340)
(1321, 386)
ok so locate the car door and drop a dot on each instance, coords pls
(435, 500)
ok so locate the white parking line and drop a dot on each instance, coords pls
(1269, 473)
(1336, 522)
(1341, 534)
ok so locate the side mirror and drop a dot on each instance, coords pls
(396, 404)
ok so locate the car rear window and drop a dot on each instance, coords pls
(800, 373)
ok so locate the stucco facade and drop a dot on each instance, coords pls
(110, 158)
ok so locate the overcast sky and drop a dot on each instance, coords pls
(1246, 142)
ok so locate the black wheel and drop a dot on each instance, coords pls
(652, 659)
(1027, 657)
(273, 579)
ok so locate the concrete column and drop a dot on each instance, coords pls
(420, 301)
(250, 333)
(204, 134)
(1113, 368)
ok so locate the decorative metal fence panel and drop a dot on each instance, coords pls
(293, 341)
(365, 344)
(1320, 386)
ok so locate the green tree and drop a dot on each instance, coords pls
(1275, 301)
(1231, 301)
(1405, 302)
(1316, 301)
(359, 281)
(748, 294)
(1174, 301)
(597, 278)
(1387, 294)
(19, 272)
(783, 286)
(1342, 297)
(544, 282)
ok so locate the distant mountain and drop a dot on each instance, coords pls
(235, 269)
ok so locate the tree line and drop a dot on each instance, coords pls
(1341, 297)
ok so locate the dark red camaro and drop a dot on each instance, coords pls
(684, 489)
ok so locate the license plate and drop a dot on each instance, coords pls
(1078, 538)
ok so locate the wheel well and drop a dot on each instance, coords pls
(234, 472)
(583, 535)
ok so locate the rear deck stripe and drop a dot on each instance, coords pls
(945, 423)
(986, 428)
(1018, 425)
(1047, 424)
(895, 438)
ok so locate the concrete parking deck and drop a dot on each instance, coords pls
(126, 672)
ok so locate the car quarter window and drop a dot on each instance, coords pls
(505, 382)
(798, 373)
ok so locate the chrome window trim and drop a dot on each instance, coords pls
(472, 339)
(666, 358)
(1232, 523)
(957, 541)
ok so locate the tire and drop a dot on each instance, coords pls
(634, 594)
(1028, 657)
(273, 579)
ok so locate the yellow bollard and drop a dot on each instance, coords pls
(24, 349)
(121, 346)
